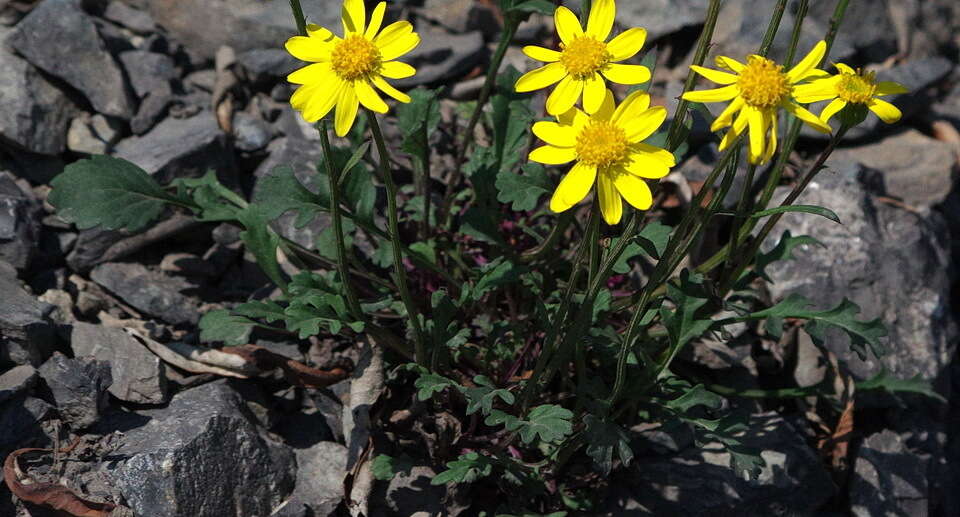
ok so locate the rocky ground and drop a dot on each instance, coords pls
(180, 87)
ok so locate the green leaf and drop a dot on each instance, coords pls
(481, 223)
(523, 190)
(498, 273)
(353, 161)
(886, 381)
(281, 191)
(484, 395)
(534, 6)
(498, 417)
(265, 310)
(682, 323)
(467, 469)
(110, 192)
(862, 334)
(549, 422)
(222, 325)
(430, 384)
(385, 467)
(653, 238)
(782, 251)
(262, 242)
(210, 197)
(417, 120)
(603, 437)
(807, 209)
(510, 119)
(694, 397)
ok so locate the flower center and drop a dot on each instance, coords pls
(355, 57)
(857, 88)
(762, 83)
(602, 144)
(584, 56)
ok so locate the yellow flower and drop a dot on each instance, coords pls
(607, 148)
(345, 70)
(851, 87)
(758, 89)
(584, 60)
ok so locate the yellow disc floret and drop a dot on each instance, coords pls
(858, 88)
(602, 144)
(762, 83)
(584, 56)
(355, 58)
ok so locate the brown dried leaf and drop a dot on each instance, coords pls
(296, 373)
(50, 495)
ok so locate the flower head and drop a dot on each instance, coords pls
(607, 147)
(757, 90)
(345, 70)
(584, 60)
(851, 87)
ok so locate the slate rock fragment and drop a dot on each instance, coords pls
(27, 332)
(78, 386)
(153, 293)
(138, 375)
(34, 114)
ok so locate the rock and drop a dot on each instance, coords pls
(266, 65)
(27, 334)
(460, 16)
(187, 264)
(17, 380)
(891, 262)
(55, 25)
(178, 148)
(251, 133)
(867, 27)
(441, 56)
(152, 108)
(320, 473)
(138, 375)
(22, 419)
(888, 479)
(916, 168)
(153, 293)
(92, 134)
(79, 388)
(410, 493)
(201, 456)
(90, 247)
(148, 71)
(131, 18)
(700, 481)
(661, 17)
(19, 227)
(242, 24)
(34, 114)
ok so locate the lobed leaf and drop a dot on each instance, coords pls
(523, 190)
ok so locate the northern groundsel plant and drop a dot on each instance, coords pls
(540, 338)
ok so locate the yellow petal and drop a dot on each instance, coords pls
(809, 118)
(353, 14)
(594, 93)
(808, 63)
(309, 49)
(661, 155)
(715, 75)
(555, 134)
(728, 139)
(844, 69)
(369, 97)
(386, 88)
(316, 100)
(376, 20)
(399, 46)
(397, 70)
(890, 88)
(541, 54)
(816, 91)
(626, 74)
(634, 190)
(573, 187)
(771, 123)
(715, 95)
(568, 26)
(758, 130)
(728, 63)
(315, 73)
(646, 165)
(626, 44)
(886, 111)
(540, 77)
(392, 33)
(611, 207)
(550, 155)
(635, 104)
(564, 96)
(602, 14)
(643, 125)
(316, 31)
(739, 124)
(832, 109)
(347, 106)
(726, 116)
(575, 118)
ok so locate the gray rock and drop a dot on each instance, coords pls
(153, 293)
(79, 388)
(460, 16)
(148, 71)
(152, 108)
(19, 225)
(889, 479)
(178, 148)
(27, 334)
(90, 246)
(55, 25)
(131, 18)
(35, 168)
(661, 17)
(138, 375)
(202, 456)
(867, 27)
(320, 473)
(700, 481)
(34, 114)
(22, 419)
(441, 56)
(410, 493)
(251, 133)
(265, 65)
(891, 262)
(17, 380)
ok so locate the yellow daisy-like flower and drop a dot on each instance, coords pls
(345, 70)
(851, 87)
(608, 149)
(758, 89)
(585, 59)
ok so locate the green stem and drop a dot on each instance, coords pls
(392, 217)
(549, 243)
(772, 28)
(593, 240)
(835, 21)
(298, 17)
(585, 6)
